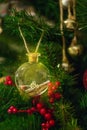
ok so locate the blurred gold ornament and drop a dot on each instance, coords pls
(75, 49)
(1, 30)
(66, 65)
(70, 23)
(65, 62)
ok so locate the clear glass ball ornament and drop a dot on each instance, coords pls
(32, 77)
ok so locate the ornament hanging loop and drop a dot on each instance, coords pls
(23, 40)
(38, 44)
(32, 56)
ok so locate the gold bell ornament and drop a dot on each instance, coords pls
(65, 62)
(32, 77)
(70, 23)
(75, 49)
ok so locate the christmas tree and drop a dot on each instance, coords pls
(43, 59)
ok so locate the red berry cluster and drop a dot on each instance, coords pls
(8, 81)
(48, 116)
(39, 107)
(14, 110)
(42, 110)
(53, 93)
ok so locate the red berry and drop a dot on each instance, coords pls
(52, 122)
(50, 84)
(14, 110)
(43, 125)
(44, 128)
(8, 78)
(47, 116)
(57, 83)
(12, 107)
(43, 111)
(54, 88)
(58, 95)
(47, 125)
(10, 82)
(51, 100)
(39, 106)
(9, 111)
(50, 92)
(33, 109)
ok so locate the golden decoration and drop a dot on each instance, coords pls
(71, 23)
(75, 49)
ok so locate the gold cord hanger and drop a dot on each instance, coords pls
(25, 43)
(23, 40)
(32, 56)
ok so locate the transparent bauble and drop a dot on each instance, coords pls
(32, 77)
